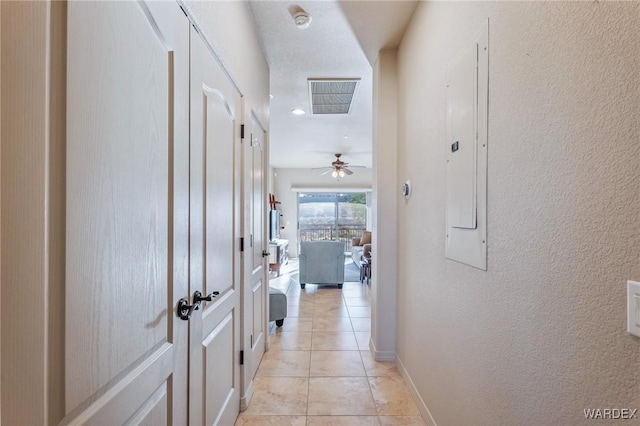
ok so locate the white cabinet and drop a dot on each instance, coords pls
(278, 254)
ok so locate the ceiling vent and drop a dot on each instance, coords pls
(331, 96)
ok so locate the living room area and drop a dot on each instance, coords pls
(322, 215)
(331, 247)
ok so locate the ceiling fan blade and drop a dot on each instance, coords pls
(318, 168)
(324, 173)
(347, 171)
(357, 167)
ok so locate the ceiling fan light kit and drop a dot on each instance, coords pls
(338, 173)
(338, 168)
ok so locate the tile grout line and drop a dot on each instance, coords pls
(306, 419)
(314, 317)
(366, 374)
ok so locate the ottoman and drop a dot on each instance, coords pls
(277, 306)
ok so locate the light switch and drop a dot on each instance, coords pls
(633, 308)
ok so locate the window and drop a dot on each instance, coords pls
(331, 216)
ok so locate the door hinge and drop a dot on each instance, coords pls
(241, 243)
(183, 11)
(241, 357)
(252, 340)
(242, 131)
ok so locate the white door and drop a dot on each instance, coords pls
(255, 279)
(127, 214)
(214, 384)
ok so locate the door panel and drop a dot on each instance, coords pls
(258, 271)
(154, 412)
(258, 322)
(219, 133)
(255, 289)
(214, 263)
(220, 390)
(125, 350)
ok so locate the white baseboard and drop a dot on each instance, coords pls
(424, 410)
(246, 398)
(381, 355)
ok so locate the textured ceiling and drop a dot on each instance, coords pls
(341, 42)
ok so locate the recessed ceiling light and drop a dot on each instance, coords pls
(297, 111)
(346, 136)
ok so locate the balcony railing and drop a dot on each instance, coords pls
(331, 232)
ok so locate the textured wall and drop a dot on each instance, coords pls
(284, 179)
(541, 335)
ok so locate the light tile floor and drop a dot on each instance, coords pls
(319, 370)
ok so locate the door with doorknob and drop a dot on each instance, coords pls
(127, 207)
(214, 330)
(152, 257)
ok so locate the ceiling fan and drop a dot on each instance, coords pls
(338, 168)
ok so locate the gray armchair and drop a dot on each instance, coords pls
(321, 262)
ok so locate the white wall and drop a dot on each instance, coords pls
(31, 267)
(270, 179)
(540, 335)
(285, 179)
(386, 196)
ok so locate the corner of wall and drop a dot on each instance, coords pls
(385, 199)
(23, 384)
(29, 184)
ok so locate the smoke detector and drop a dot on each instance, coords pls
(302, 19)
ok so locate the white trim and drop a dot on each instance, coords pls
(329, 189)
(382, 356)
(207, 42)
(246, 398)
(424, 410)
(154, 25)
(209, 90)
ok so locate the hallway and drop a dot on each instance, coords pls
(319, 370)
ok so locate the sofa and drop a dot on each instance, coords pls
(361, 248)
(321, 262)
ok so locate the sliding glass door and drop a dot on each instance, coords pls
(331, 216)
